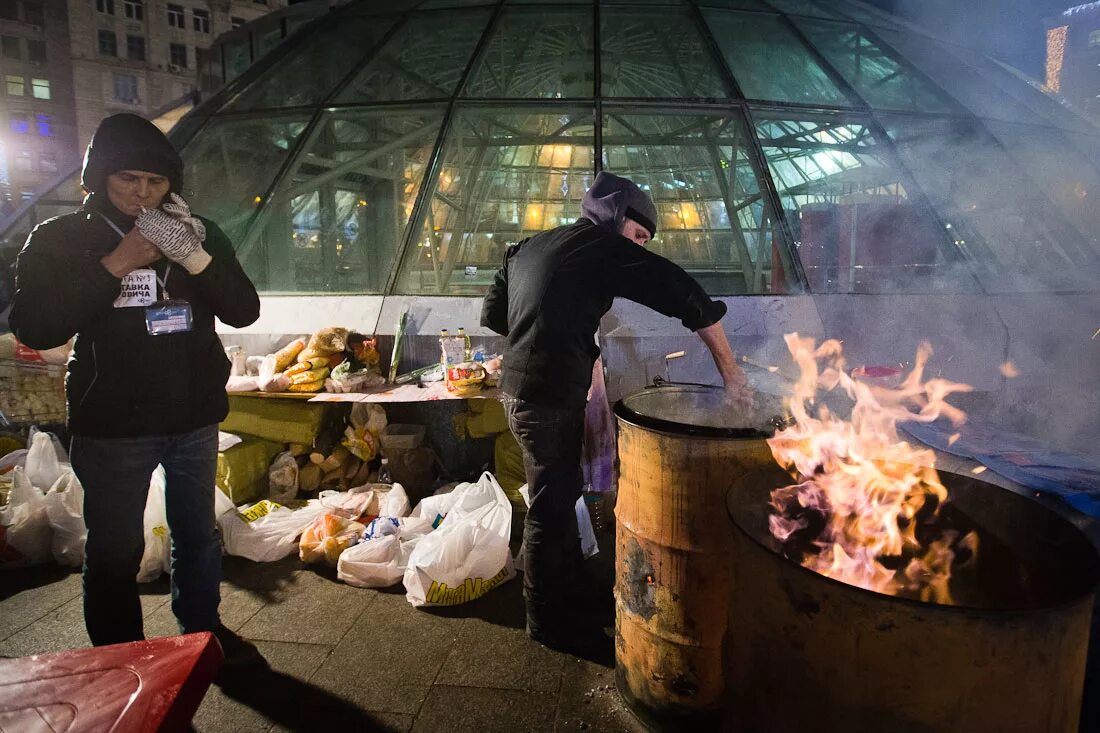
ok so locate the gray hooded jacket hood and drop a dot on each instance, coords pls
(612, 199)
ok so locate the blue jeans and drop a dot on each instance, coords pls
(115, 474)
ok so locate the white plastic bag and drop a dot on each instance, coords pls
(62, 454)
(266, 531)
(380, 558)
(282, 478)
(157, 557)
(65, 509)
(24, 526)
(467, 556)
(589, 546)
(44, 461)
(13, 459)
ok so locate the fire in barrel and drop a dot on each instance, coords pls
(874, 594)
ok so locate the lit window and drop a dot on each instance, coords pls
(40, 88)
(23, 161)
(135, 9)
(236, 22)
(47, 163)
(105, 6)
(108, 44)
(15, 85)
(177, 55)
(34, 14)
(201, 20)
(175, 16)
(126, 88)
(10, 47)
(135, 48)
(36, 51)
(19, 122)
(44, 123)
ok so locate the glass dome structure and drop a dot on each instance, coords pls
(397, 147)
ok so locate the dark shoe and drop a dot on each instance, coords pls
(239, 652)
(585, 641)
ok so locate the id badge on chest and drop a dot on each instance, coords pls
(168, 316)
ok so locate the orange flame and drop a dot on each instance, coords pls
(866, 483)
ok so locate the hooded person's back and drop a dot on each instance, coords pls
(553, 288)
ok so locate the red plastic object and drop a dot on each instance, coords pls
(151, 685)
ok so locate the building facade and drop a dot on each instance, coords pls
(38, 133)
(1073, 56)
(67, 64)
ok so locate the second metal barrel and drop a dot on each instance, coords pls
(680, 451)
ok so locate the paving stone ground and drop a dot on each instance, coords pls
(362, 659)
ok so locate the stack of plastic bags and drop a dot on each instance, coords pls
(453, 548)
(44, 516)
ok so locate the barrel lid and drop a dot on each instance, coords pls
(695, 409)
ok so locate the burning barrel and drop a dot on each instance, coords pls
(811, 653)
(680, 452)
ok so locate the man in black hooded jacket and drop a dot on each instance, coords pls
(548, 299)
(139, 281)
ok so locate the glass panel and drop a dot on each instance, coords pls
(768, 61)
(997, 215)
(182, 132)
(1069, 180)
(339, 215)
(424, 60)
(714, 221)
(238, 57)
(805, 7)
(229, 167)
(544, 53)
(505, 176)
(871, 70)
(656, 54)
(857, 228)
(956, 78)
(437, 4)
(1026, 91)
(309, 72)
(735, 4)
(865, 14)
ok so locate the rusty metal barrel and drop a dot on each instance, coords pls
(811, 653)
(680, 452)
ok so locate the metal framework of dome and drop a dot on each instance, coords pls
(396, 147)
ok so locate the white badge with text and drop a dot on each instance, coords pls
(139, 288)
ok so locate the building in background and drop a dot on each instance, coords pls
(67, 64)
(1073, 56)
(38, 133)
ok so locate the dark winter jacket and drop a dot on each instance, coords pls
(123, 382)
(550, 293)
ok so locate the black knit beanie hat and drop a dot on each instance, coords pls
(612, 199)
(128, 142)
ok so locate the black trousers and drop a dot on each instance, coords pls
(554, 581)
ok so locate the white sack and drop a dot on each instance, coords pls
(380, 559)
(467, 556)
(65, 509)
(157, 557)
(24, 525)
(282, 478)
(266, 531)
(44, 463)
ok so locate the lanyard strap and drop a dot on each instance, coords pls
(163, 282)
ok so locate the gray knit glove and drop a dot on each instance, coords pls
(179, 239)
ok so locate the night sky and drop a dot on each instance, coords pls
(1010, 30)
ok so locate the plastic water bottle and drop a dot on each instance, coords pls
(384, 472)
